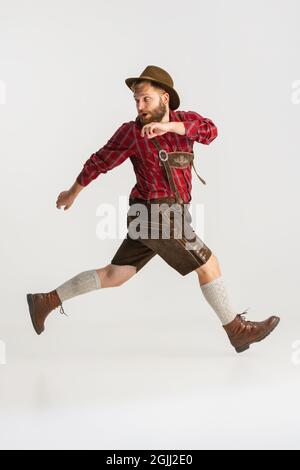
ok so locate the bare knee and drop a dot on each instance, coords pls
(211, 267)
(114, 275)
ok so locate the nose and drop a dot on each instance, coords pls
(140, 106)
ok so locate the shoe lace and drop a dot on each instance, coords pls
(241, 315)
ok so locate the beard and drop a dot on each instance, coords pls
(155, 115)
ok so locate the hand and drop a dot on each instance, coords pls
(155, 128)
(65, 198)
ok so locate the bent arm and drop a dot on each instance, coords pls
(197, 127)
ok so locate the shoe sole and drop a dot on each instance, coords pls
(247, 346)
(30, 305)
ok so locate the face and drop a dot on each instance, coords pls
(151, 103)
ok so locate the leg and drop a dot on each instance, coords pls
(131, 256)
(209, 271)
(241, 333)
(108, 276)
(40, 305)
(214, 291)
(113, 275)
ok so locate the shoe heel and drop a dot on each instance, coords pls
(30, 305)
(242, 348)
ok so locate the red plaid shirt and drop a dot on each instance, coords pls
(128, 143)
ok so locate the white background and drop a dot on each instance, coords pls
(147, 365)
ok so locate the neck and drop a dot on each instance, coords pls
(166, 117)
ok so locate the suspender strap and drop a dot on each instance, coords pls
(163, 156)
(201, 179)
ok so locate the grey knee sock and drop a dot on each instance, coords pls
(80, 284)
(216, 295)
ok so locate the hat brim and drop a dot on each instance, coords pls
(174, 98)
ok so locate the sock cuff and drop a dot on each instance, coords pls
(208, 285)
(97, 279)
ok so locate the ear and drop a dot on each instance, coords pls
(166, 98)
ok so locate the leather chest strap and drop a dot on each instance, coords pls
(164, 158)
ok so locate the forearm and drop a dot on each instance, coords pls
(76, 188)
(177, 127)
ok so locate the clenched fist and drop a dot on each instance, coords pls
(155, 128)
(65, 198)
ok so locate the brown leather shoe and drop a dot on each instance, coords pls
(40, 305)
(242, 333)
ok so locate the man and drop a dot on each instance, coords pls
(159, 144)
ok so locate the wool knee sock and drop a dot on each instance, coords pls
(80, 284)
(216, 295)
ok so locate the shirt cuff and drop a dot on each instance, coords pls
(191, 129)
(82, 180)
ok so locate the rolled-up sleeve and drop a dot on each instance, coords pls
(118, 148)
(198, 128)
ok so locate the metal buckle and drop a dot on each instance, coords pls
(161, 152)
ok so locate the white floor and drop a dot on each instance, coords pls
(148, 387)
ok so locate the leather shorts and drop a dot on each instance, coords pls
(161, 227)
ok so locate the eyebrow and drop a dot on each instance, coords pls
(141, 96)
